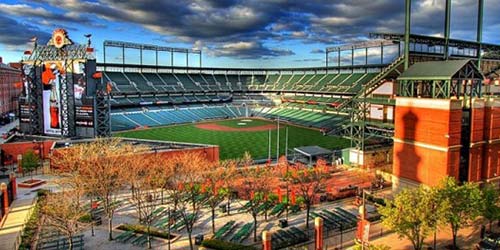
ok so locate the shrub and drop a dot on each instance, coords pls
(87, 218)
(28, 234)
(153, 231)
(224, 245)
(42, 192)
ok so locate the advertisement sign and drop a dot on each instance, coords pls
(84, 116)
(24, 112)
(54, 73)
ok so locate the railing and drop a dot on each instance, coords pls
(376, 81)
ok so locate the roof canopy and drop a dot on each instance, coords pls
(435, 70)
(311, 151)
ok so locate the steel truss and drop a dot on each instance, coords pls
(35, 100)
(358, 129)
(68, 55)
(467, 82)
(102, 115)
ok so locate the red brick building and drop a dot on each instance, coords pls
(444, 126)
(10, 88)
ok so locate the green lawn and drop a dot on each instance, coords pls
(235, 144)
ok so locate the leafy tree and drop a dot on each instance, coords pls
(491, 210)
(465, 202)
(30, 162)
(415, 214)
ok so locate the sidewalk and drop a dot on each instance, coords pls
(20, 210)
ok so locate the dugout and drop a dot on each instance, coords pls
(310, 154)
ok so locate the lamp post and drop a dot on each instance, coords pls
(362, 213)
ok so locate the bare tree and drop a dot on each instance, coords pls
(309, 181)
(188, 173)
(215, 186)
(256, 184)
(63, 212)
(103, 164)
(147, 180)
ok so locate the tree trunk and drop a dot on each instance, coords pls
(490, 225)
(228, 206)
(254, 227)
(70, 242)
(308, 208)
(193, 199)
(213, 220)
(190, 241)
(149, 236)
(265, 213)
(110, 228)
(454, 232)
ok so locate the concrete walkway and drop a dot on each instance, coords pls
(10, 232)
(20, 210)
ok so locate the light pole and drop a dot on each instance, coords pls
(362, 213)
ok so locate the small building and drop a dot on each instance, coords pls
(310, 154)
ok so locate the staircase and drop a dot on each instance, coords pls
(374, 83)
(347, 106)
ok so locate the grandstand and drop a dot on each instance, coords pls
(355, 101)
(303, 97)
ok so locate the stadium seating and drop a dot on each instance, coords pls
(121, 120)
(309, 99)
(202, 82)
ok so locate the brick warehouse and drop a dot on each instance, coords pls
(10, 88)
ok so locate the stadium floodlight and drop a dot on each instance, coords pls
(361, 45)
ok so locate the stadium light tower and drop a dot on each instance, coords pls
(407, 33)
(447, 22)
(479, 31)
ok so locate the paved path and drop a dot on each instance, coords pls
(20, 210)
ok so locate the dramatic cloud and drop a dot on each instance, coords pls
(15, 35)
(256, 26)
(24, 10)
(248, 50)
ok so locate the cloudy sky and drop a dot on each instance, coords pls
(234, 33)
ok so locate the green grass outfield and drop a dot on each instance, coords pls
(235, 144)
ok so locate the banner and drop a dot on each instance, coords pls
(54, 73)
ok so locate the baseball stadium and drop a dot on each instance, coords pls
(395, 109)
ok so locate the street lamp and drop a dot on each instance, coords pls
(40, 153)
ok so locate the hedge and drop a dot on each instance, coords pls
(224, 245)
(144, 229)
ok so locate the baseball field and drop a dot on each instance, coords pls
(235, 137)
